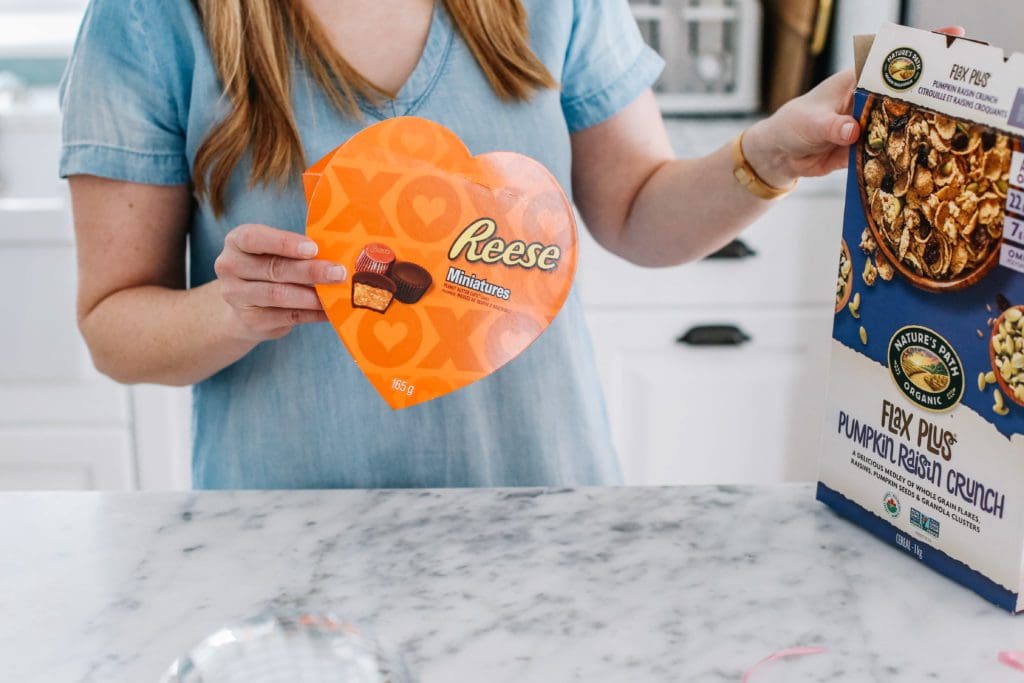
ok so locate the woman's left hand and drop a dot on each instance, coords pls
(809, 135)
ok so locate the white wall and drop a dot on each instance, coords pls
(41, 5)
(999, 22)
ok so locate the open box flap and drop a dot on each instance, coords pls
(964, 78)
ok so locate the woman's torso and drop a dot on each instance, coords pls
(297, 412)
(141, 94)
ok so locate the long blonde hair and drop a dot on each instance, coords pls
(253, 43)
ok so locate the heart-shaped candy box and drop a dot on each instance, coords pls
(457, 263)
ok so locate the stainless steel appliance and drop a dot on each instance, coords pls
(712, 50)
(857, 17)
(996, 21)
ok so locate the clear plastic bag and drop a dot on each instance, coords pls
(302, 648)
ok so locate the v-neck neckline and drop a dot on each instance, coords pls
(424, 74)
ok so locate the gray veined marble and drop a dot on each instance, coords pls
(607, 586)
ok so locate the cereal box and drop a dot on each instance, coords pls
(922, 441)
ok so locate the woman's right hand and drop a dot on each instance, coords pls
(267, 275)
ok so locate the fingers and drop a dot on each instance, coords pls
(271, 323)
(246, 294)
(836, 91)
(280, 269)
(840, 129)
(958, 31)
(842, 82)
(266, 276)
(839, 158)
(273, 320)
(262, 239)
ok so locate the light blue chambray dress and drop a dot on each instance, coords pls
(140, 95)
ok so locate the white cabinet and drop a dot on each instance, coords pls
(721, 412)
(62, 424)
(41, 278)
(57, 457)
(710, 414)
(30, 148)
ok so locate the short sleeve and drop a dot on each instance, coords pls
(119, 115)
(608, 64)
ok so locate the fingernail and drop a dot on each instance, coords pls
(847, 130)
(308, 249)
(337, 273)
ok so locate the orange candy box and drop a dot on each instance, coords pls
(456, 263)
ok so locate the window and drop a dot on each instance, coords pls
(35, 39)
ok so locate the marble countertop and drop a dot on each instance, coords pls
(617, 585)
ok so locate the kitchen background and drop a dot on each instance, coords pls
(713, 372)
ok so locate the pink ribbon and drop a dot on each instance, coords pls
(1014, 660)
(801, 652)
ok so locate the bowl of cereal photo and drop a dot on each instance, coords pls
(934, 191)
(1006, 351)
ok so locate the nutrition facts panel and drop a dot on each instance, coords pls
(1012, 252)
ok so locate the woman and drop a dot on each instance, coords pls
(194, 120)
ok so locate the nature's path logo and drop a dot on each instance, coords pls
(926, 368)
(902, 68)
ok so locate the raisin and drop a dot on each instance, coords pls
(924, 228)
(899, 123)
(888, 183)
(1002, 303)
(931, 253)
(988, 140)
(979, 239)
(960, 142)
(922, 155)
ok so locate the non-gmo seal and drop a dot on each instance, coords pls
(926, 368)
(901, 68)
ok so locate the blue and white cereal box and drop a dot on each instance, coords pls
(924, 434)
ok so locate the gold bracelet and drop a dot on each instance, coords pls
(748, 178)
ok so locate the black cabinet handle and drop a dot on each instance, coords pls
(714, 335)
(737, 249)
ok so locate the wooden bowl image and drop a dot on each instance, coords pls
(1004, 386)
(848, 285)
(933, 240)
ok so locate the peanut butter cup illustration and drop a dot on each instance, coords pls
(380, 279)
(412, 280)
(372, 291)
(375, 258)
